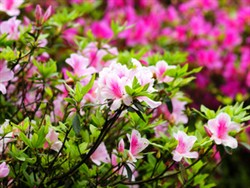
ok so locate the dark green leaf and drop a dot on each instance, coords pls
(76, 124)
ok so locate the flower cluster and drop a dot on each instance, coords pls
(91, 94)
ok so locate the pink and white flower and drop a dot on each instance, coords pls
(100, 155)
(80, 66)
(160, 69)
(137, 145)
(6, 75)
(113, 79)
(185, 144)
(10, 6)
(52, 140)
(4, 170)
(219, 128)
(111, 85)
(10, 27)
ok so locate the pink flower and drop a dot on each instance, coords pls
(10, 27)
(137, 145)
(4, 170)
(10, 6)
(209, 58)
(149, 102)
(69, 35)
(80, 66)
(111, 85)
(6, 75)
(232, 38)
(160, 68)
(52, 138)
(95, 55)
(178, 115)
(219, 129)
(160, 129)
(100, 155)
(185, 144)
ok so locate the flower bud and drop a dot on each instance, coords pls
(38, 14)
(47, 14)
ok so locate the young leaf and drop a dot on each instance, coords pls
(76, 124)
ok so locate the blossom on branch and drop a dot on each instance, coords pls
(6, 75)
(219, 128)
(137, 145)
(10, 7)
(185, 144)
(100, 155)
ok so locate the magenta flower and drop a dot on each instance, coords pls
(102, 30)
(10, 27)
(6, 75)
(10, 6)
(4, 170)
(137, 145)
(219, 128)
(185, 144)
(100, 155)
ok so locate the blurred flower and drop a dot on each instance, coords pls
(10, 27)
(4, 170)
(11, 7)
(6, 75)
(52, 140)
(100, 155)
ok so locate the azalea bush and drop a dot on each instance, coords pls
(84, 104)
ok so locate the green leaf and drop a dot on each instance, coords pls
(210, 114)
(184, 176)
(247, 118)
(94, 130)
(34, 140)
(140, 115)
(47, 69)
(83, 146)
(78, 92)
(25, 139)
(41, 137)
(169, 104)
(138, 105)
(87, 87)
(135, 83)
(70, 100)
(8, 54)
(76, 124)
(200, 179)
(129, 90)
